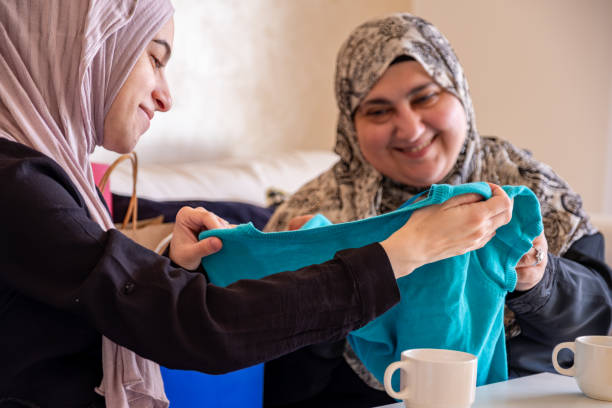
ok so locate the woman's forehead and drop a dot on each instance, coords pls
(166, 32)
(402, 76)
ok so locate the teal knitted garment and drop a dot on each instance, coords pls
(456, 303)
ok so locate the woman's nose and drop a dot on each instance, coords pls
(162, 97)
(409, 123)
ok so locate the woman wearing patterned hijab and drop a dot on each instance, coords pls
(84, 310)
(406, 121)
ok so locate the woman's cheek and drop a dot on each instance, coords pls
(375, 137)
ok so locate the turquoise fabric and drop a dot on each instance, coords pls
(456, 303)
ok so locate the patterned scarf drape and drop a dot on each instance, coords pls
(352, 189)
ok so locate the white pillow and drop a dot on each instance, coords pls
(244, 179)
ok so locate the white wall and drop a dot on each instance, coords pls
(255, 77)
(540, 74)
(252, 77)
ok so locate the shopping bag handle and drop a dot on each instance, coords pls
(132, 211)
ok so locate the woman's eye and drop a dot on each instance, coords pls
(156, 62)
(377, 113)
(426, 100)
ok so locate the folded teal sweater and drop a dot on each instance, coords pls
(456, 303)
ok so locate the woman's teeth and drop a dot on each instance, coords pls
(417, 148)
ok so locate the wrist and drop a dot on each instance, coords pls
(401, 261)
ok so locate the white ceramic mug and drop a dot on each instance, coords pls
(434, 378)
(592, 365)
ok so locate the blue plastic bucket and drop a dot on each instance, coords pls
(192, 389)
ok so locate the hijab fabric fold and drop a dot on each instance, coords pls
(352, 189)
(62, 64)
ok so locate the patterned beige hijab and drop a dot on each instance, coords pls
(352, 189)
(61, 65)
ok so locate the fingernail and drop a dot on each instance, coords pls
(215, 244)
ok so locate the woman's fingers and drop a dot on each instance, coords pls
(529, 259)
(479, 219)
(501, 218)
(202, 219)
(224, 222)
(462, 224)
(185, 248)
(530, 268)
(207, 246)
(492, 214)
(462, 200)
(498, 203)
(297, 222)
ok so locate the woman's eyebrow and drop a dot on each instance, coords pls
(377, 101)
(167, 46)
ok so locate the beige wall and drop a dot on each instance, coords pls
(607, 203)
(540, 74)
(253, 76)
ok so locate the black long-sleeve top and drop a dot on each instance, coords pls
(64, 282)
(573, 299)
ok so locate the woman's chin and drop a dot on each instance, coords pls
(122, 148)
(417, 178)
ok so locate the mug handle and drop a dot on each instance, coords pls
(565, 371)
(402, 394)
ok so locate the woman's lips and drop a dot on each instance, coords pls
(148, 115)
(418, 151)
(147, 111)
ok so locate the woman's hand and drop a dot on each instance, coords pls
(298, 222)
(461, 224)
(185, 249)
(530, 270)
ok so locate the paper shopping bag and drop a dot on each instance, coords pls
(152, 233)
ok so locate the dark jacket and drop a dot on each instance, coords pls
(64, 282)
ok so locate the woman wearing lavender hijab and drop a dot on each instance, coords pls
(406, 121)
(86, 314)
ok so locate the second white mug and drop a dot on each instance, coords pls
(592, 365)
(434, 378)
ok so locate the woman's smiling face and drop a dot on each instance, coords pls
(144, 91)
(409, 128)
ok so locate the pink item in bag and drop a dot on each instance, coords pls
(98, 171)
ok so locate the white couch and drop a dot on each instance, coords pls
(236, 179)
(247, 180)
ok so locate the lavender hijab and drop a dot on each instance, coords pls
(353, 189)
(62, 64)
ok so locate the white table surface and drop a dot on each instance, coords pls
(544, 390)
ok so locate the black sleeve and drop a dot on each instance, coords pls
(574, 298)
(55, 254)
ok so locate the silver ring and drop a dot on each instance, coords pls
(539, 255)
